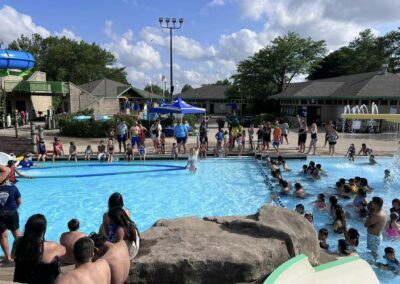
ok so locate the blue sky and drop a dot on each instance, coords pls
(215, 36)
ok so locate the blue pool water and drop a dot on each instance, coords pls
(341, 168)
(151, 190)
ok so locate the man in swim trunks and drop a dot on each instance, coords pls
(375, 223)
(10, 200)
(122, 135)
(134, 133)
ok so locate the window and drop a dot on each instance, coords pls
(339, 102)
(383, 102)
(328, 102)
(350, 102)
(320, 102)
(303, 102)
(393, 103)
(365, 102)
(334, 102)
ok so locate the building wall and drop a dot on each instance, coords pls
(106, 106)
(77, 99)
(41, 103)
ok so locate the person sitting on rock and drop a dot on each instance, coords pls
(68, 240)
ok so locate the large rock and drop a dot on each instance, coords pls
(233, 249)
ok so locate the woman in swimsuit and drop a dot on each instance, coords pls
(313, 142)
(57, 148)
(36, 260)
(123, 228)
(110, 151)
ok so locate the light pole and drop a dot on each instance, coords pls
(171, 27)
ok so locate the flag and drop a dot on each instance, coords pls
(162, 77)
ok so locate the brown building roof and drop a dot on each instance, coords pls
(363, 85)
(207, 92)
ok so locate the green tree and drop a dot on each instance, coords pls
(153, 88)
(366, 53)
(186, 87)
(270, 70)
(224, 82)
(64, 59)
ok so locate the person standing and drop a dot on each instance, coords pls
(9, 218)
(134, 133)
(332, 139)
(122, 135)
(142, 133)
(203, 132)
(375, 223)
(267, 136)
(276, 138)
(260, 136)
(284, 126)
(181, 134)
(250, 130)
(314, 139)
(302, 135)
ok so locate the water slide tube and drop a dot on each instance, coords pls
(298, 270)
(11, 59)
(369, 116)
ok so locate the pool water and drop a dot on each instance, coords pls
(151, 191)
(337, 168)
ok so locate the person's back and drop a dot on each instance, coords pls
(68, 240)
(86, 271)
(116, 255)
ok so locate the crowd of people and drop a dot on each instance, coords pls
(100, 257)
(372, 213)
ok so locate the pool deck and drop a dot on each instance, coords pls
(383, 144)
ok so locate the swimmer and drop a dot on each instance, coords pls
(304, 169)
(320, 202)
(309, 216)
(300, 209)
(26, 163)
(299, 191)
(13, 171)
(345, 249)
(315, 173)
(387, 177)
(392, 263)
(193, 160)
(339, 222)
(323, 237)
(283, 163)
(284, 187)
(392, 226)
(372, 160)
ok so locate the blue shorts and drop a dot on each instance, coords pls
(135, 140)
(121, 138)
(275, 143)
(180, 140)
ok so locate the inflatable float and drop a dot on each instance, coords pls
(4, 158)
(298, 270)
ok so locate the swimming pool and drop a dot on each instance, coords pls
(152, 190)
(341, 168)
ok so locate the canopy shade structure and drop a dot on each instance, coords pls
(178, 106)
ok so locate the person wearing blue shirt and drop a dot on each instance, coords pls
(26, 162)
(10, 200)
(180, 134)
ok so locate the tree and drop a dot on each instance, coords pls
(186, 87)
(224, 82)
(64, 59)
(366, 53)
(155, 89)
(271, 69)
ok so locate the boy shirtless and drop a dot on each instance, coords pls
(85, 270)
(68, 240)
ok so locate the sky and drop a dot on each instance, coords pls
(215, 35)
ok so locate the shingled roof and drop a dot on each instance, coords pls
(207, 92)
(362, 86)
(113, 89)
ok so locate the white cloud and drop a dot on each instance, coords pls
(239, 45)
(217, 3)
(13, 24)
(132, 54)
(68, 34)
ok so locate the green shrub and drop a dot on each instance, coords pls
(86, 128)
(265, 117)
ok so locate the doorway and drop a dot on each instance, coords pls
(211, 108)
(314, 115)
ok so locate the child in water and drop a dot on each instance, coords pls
(392, 227)
(72, 152)
(387, 177)
(392, 263)
(323, 237)
(299, 191)
(372, 160)
(320, 202)
(192, 163)
(88, 153)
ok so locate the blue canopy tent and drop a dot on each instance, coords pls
(179, 106)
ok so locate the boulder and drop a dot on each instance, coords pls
(234, 249)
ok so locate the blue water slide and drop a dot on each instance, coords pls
(11, 59)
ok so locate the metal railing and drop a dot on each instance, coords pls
(36, 87)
